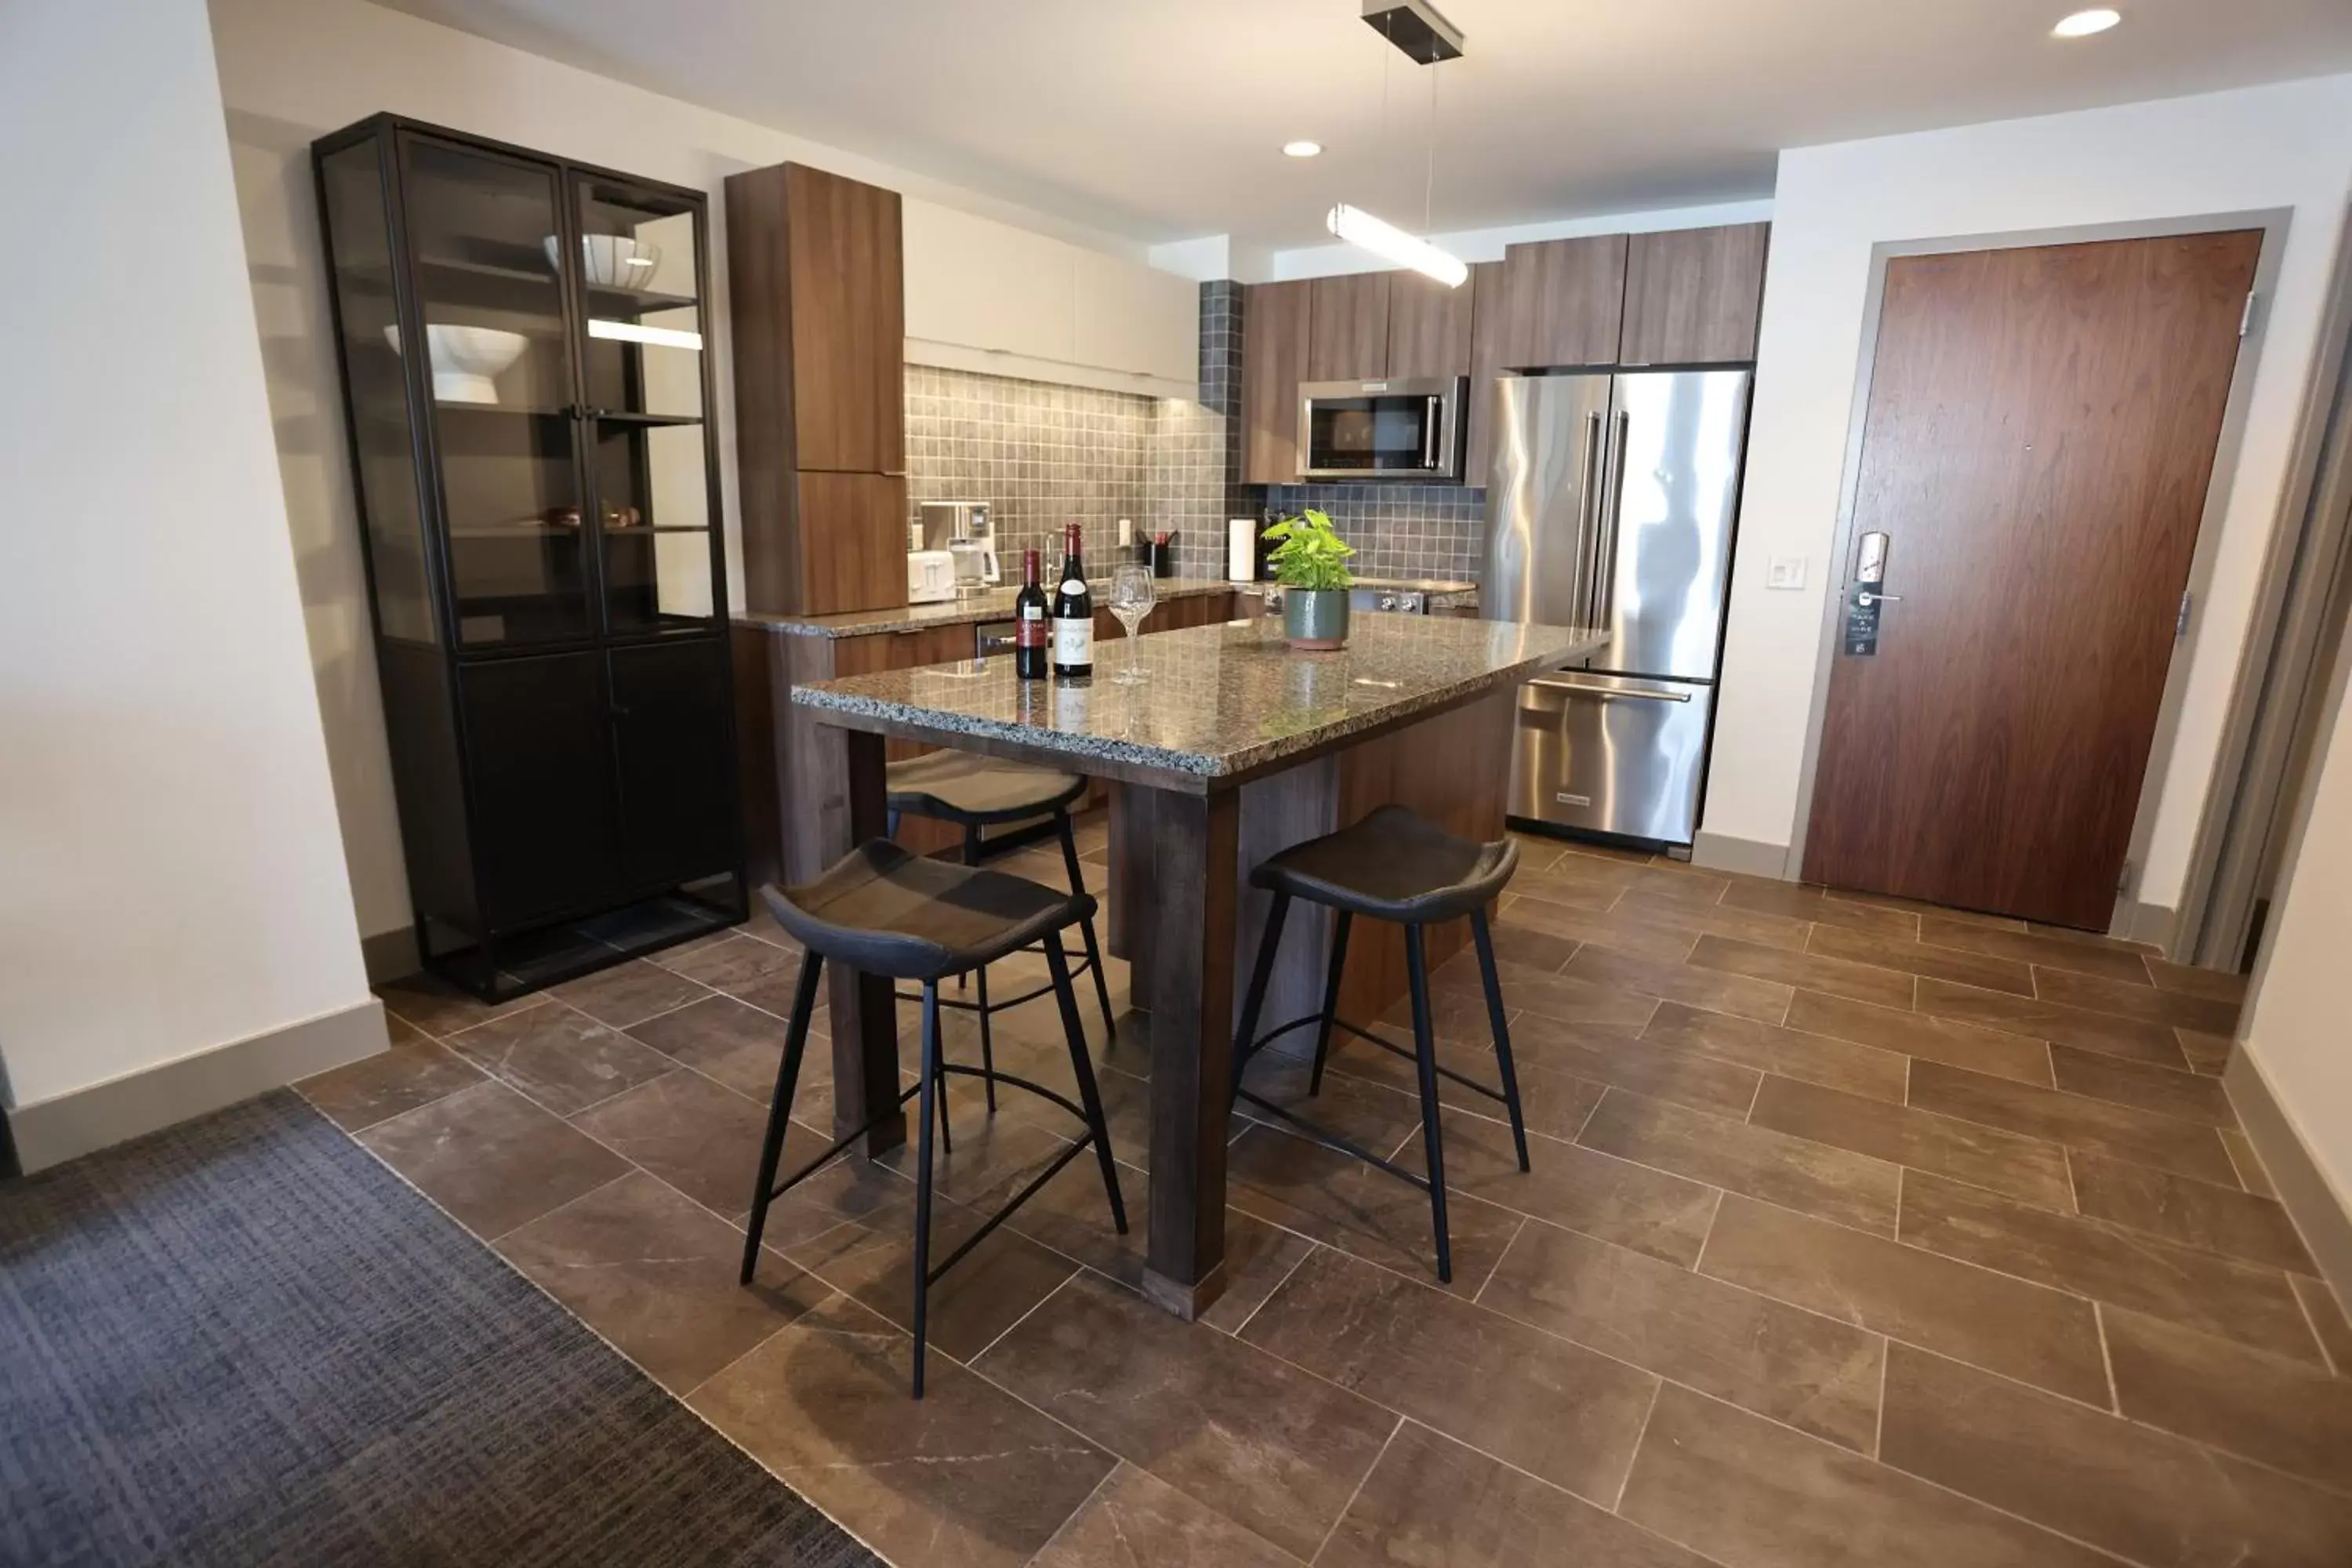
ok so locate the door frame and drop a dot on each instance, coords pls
(2291, 607)
(2130, 920)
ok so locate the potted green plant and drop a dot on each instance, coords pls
(1310, 561)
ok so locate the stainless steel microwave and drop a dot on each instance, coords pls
(1402, 429)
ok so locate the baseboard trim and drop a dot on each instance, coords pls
(391, 955)
(1749, 857)
(2151, 924)
(49, 1132)
(2322, 1214)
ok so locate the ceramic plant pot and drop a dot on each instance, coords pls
(1315, 618)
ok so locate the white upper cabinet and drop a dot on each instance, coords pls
(989, 286)
(1135, 318)
(986, 296)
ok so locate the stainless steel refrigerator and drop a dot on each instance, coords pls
(1611, 504)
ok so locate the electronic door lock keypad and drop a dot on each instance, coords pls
(1860, 631)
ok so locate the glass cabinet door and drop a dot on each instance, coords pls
(640, 270)
(359, 237)
(486, 249)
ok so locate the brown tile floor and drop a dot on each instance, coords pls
(1858, 1234)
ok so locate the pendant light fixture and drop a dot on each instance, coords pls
(1382, 238)
(1424, 38)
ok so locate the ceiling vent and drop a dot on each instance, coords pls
(1415, 27)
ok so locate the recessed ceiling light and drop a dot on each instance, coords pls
(1302, 149)
(2083, 24)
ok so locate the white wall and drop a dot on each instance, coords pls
(2295, 1033)
(291, 70)
(174, 880)
(2284, 146)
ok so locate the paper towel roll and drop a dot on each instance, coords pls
(1241, 550)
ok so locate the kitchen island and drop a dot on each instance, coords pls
(1233, 748)
(787, 778)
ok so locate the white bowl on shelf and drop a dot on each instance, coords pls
(611, 260)
(466, 360)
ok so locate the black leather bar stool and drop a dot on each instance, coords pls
(889, 914)
(1394, 865)
(976, 793)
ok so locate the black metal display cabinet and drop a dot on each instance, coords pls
(527, 386)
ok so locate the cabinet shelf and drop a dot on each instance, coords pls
(622, 416)
(602, 298)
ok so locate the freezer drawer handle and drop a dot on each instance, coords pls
(1583, 690)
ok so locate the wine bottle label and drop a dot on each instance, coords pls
(1072, 588)
(1029, 631)
(1074, 641)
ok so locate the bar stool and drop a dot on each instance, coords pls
(976, 793)
(900, 916)
(1394, 865)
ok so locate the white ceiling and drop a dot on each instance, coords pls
(1164, 118)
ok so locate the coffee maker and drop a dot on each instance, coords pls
(963, 529)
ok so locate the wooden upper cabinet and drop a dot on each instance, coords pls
(1350, 339)
(815, 263)
(1277, 319)
(1563, 301)
(1693, 295)
(1429, 327)
(818, 316)
(1488, 324)
(848, 318)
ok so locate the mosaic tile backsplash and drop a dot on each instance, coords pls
(1399, 530)
(1046, 454)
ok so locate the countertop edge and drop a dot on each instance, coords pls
(866, 623)
(1188, 764)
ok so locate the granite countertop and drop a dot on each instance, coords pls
(1221, 700)
(996, 604)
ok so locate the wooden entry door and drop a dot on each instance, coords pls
(2040, 434)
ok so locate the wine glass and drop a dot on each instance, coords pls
(1132, 596)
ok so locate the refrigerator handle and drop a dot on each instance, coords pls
(1587, 531)
(1613, 501)
(1611, 693)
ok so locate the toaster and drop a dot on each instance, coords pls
(930, 577)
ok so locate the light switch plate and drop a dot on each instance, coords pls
(1784, 571)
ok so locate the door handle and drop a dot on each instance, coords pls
(1866, 597)
(1613, 499)
(1588, 539)
(1638, 693)
(1429, 434)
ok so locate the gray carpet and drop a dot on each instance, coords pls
(242, 1340)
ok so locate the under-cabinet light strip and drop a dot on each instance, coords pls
(630, 333)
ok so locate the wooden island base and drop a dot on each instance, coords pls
(1184, 916)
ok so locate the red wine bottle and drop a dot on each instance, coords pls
(1029, 610)
(1073, 614)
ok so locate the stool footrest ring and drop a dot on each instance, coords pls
(1039, 1090)
(1079, 964)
